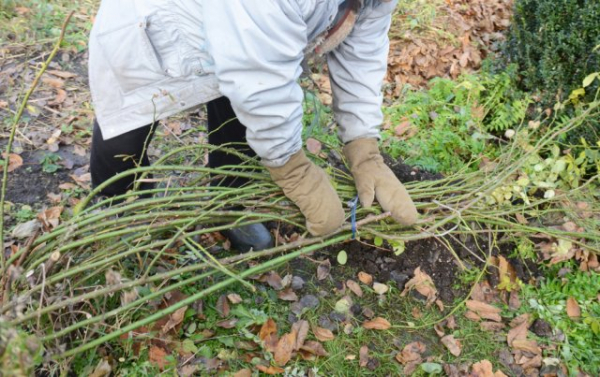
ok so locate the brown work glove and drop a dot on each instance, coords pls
(309, 188)
(375, 180)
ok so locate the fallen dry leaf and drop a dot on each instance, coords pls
(300, 328)
(53, 82)
(423, 284)
(14, 162)
(484, 369)
(228, 323)
(274, 280)
(363, 356)
(102, 369)
(234, 298)
(484, 310)
(323, 334)
(530, 346)
(354, 287)
(268, 329)
(284, 349)
(271, 370)
(519, 330)
(365, 278)
(573, 309)
(410, 356)
(243, 373)
(61, 74)
(311, 350)
(380, 289)
(452, 344)
(287, 295)
(222, 306)
(377, 324)
(323, 269)
(314, 146)
(157, 356)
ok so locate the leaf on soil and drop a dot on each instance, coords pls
(514, 303)
(312, 349)
(274, 280)
(401, 129)
(484, 369)
(174, 320)
(323, 334)
(61, 74)
(440, 305)
(365, 278)
(314, 146)
(472, 316)
(573, 309)
(50, 218)
(380, 289)
(14, 162)
(323, 269)
(284, 349)
(300, 328)
(439, 330)
(530, 346)
(271, 370)
(484, 310)
(243, 373)
(127, 297)
(363, 356)
(287, 295)
(507, 276)
(452, 344)
(103, 369)
(423, 284)
(410, 356)
(222, 306)
(61, 96)
(354, 287)
(377, 324)
(520, 326)
(492, 326)
(53, 82)
(268, 334)
(228, 323)
(26, 230)
(234, 298)
(157, 356)
(343, 305)
(112, 277)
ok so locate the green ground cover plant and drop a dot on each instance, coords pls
(452, 125)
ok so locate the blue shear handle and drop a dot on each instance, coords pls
(354, 204)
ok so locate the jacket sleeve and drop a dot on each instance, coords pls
(357, 68)
(257, 47)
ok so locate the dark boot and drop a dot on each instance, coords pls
(253, 237)
(224, 128)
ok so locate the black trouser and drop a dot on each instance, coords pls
(130, 150)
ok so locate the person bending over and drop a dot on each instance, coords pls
(150, 59)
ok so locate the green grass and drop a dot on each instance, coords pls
(581, 346)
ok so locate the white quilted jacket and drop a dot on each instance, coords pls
(150, 59)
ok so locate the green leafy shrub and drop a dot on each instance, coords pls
(454, 122)
(556, 44)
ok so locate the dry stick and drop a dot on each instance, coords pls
(11, 138)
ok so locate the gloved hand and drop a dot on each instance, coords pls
(375, 180)
(309, 188)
